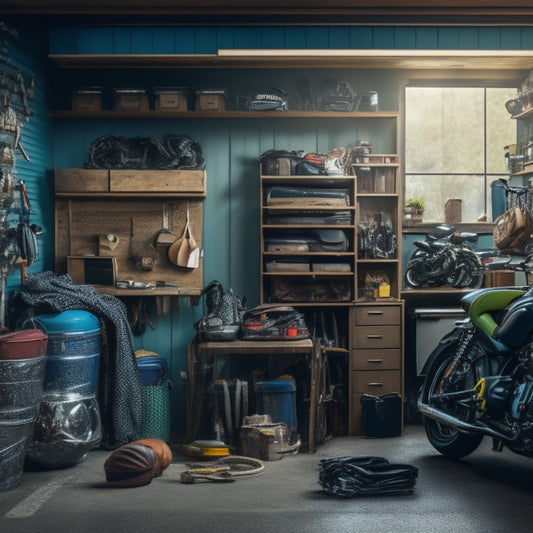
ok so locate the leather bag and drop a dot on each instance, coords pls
(512, 229)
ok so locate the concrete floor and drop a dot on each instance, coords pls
(486, 492)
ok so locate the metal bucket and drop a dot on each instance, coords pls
(68, 424)
(22, 364)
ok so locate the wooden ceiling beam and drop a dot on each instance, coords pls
(276, 12)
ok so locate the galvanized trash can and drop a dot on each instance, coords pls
(22, 364)
(155, 393)
(68, 424)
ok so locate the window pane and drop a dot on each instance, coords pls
(438, 189)
(501, 129)
(444, 130)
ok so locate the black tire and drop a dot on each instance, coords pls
(413, 278)
(472, 270)
(446, 440)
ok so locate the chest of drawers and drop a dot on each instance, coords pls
(376, 354)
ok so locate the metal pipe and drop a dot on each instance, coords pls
(458, 424)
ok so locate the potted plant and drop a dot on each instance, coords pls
(414, 209)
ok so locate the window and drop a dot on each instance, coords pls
(454, 147)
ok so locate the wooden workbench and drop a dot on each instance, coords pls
(201, 353)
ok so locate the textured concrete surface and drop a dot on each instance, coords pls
(486, 492)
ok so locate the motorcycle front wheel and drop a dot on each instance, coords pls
(445, 439)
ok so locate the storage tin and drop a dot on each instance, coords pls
(131, 100)
(210, 100)
(170, 100)
(87, 99)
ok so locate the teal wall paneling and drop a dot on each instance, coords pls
(426, 38)
(164, 40)
(295, 37)
(142, 40)
(361, 37)
(249, 37)
(205, 41)
(339, 37)
(121, 41)
(190, 40)
(273, 37)
(185, 41)
(509, 39)
(405, 38)
(225, 38)
(95, 40)
(317, 38)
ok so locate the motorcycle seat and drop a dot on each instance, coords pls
(483, 308)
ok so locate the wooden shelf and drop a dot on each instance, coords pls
(223, 114)
(453, 60)
(157, 291)
(310, 273)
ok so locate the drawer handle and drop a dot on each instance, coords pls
(374, 336)
(375, 312)
(374, 360)
(375, 384)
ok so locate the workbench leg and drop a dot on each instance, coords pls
(316, 357)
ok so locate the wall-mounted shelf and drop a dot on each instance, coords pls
(223, 114)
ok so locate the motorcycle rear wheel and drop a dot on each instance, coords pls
(413, 277)
(445, 439)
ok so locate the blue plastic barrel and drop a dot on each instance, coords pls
(68, 424)
(277, 398)
(73, 353)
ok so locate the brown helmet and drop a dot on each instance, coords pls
(161, 450)
(131, 465)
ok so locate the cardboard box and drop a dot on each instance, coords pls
(89, 99)
(499, 278)
(131, 100)
(170, 100)
(263, 441)
(210, 100)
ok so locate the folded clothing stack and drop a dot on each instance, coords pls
(348, 477)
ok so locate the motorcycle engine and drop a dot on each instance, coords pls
(522, 405)
(503, 396)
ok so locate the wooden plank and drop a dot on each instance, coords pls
(165, 181)
(81, 180)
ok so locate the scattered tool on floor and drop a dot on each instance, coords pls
(190, 476)
(238, 465)
(205, 448)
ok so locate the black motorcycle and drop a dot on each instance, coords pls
(479, 379)
(445, 257)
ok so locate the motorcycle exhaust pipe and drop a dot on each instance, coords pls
(460, 425)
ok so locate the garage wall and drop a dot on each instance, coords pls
(27, 52)
(231, 147)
